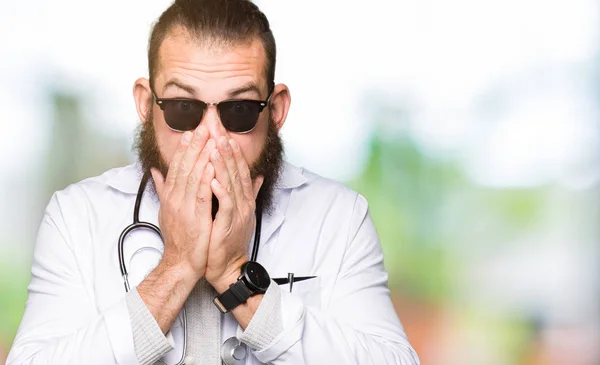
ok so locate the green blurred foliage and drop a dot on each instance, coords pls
(407, 191)
(432, 219)
(14, 279)
(427, 211)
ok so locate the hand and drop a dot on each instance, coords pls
(233, 225)
(185, 203)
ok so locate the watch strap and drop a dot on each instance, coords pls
(237, 294)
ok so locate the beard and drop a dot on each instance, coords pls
(268, 164)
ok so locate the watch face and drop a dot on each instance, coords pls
(257, 275)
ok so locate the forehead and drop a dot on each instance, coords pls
(203, 63)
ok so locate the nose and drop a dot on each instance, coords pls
(212, 122)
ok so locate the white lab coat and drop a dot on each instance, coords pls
(76, 311)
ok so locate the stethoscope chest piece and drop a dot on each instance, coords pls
(233, 352)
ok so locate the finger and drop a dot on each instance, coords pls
(231, 164)
(257, 184)
(159, 181)
(203, 207)
(243, 171)
(195, 178)
(175, 160)
(225, 215)
(188, 161)
(221, 173)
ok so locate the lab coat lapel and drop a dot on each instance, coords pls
(291, 177)
(270, 223)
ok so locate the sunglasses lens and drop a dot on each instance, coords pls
(239, 115)
(182, 115)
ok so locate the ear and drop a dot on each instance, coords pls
(143, 98)
(280, 104)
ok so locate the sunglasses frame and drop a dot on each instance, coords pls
(261, 103)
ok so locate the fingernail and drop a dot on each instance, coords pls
(233, 145)
(187, 137)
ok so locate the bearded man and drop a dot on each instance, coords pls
(234, 255)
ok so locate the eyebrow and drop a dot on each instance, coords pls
(249, 87)
(180, 85)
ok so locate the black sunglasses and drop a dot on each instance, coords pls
(238, 116)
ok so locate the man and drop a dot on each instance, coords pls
(209, 146)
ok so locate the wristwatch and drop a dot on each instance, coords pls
(254, 279)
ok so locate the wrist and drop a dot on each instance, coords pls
(246, 288)
(223, 283)
(165, 290)
(179, 271)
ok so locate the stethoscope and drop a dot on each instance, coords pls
(233, 351)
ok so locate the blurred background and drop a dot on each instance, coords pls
(472, 127)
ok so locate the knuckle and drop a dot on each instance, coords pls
(183, 166)
(202, 198)
(171, 173)
(192, 179)
(198, 137)
(246, 176)
(235, 176)
(194, 144)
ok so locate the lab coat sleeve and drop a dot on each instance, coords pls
(359, 324)
(62, 324)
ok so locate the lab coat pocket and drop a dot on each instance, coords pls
(309, 291)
